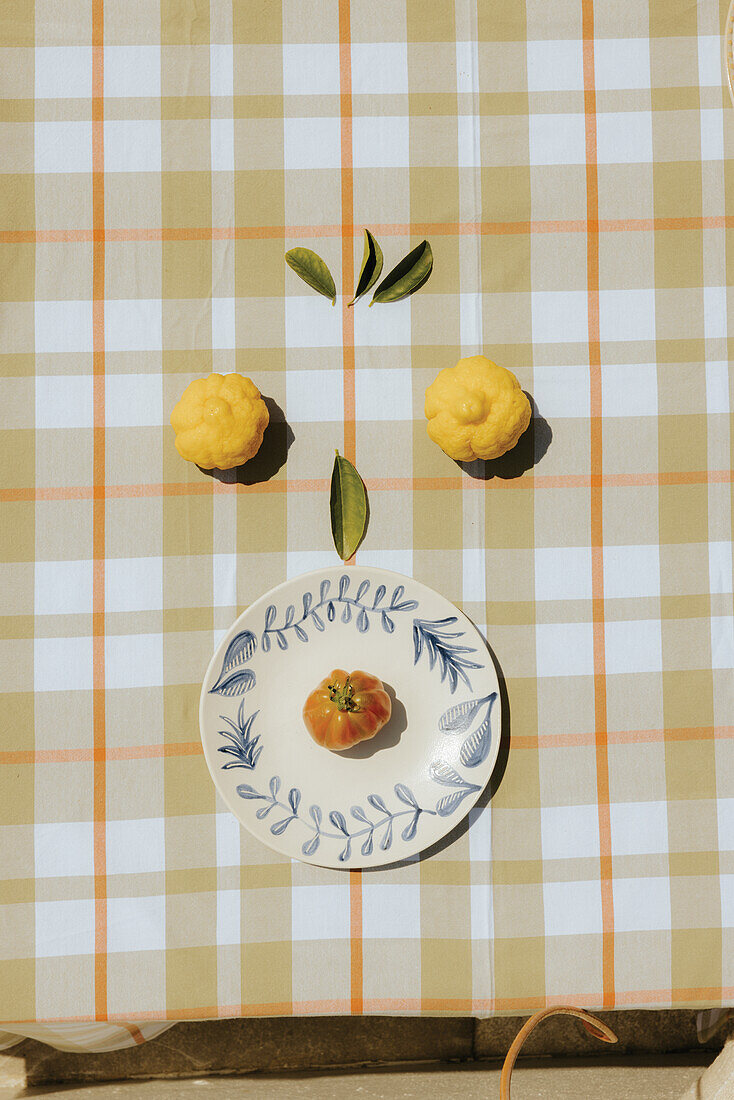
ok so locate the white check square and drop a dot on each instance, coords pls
(563, 573)
(624, 137)
(320, 912)
(136, 924)
(64, 401)
(380, 68)
(715, 326)
(562, 391)
(311, 68)
(133, 324)
(629, 389)
(382, 327)
(569, 832)
(131, 71)
(223, 323)
(712, 133)
(133, 660)
(135, 846)
(63, 72)
(306, 561)
(631, 571)
(132, 145)
(726, 885)
(133, 400)
(63, 587)
(314, 395)
(63, 326)
(64, 146)
(229, 919)
(474, 580)
(221, 68)
(63, 849)
(400, 561)
(64, 928)
(564, 649)
(722, 641)
(133, 584)
(312, 142)
(556, 66)
(222, 144)
(560, 316)
(224, 580)
(557, 139)
(62, 664)
(311, 322)
(639, 828)
(641, 904)
(481, 911)
(626, 315)
(572, 908)
(621, 63)
(710, 61)
(720, 567)
(467, 67)
(381, 141)
(633, 646)
(384, 394)
(391, 911)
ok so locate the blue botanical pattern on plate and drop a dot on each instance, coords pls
(442, 649)
(235, 679)
(375, 824)
(459, 718)
(244, 748)
(357, 607)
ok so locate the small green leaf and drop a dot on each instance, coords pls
(410, 274)
(371, 267)
(348, 507)
(311, 268)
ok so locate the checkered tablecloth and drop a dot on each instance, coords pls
(570, 163)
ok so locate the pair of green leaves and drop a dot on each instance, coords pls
(349, 509)
(404, 279)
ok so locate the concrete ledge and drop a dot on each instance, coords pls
(717, 1083)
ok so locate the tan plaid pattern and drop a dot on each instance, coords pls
(571, 166)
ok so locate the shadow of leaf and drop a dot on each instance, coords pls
(530, 448)
(269, 459)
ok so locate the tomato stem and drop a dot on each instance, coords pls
(341, 694)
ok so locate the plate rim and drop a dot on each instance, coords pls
(275, 844)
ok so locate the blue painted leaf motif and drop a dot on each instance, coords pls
(360, 815)
(265, 810)
(346, 853)
(244, 790)
(239, 650)
(449, 802)
(387, 836)
(376, 802)
(311, 845)
(367, 846)
(397, 596)
(339, 821)
(363, 622)
(266, 643)
(406, 605)
(442, 650)
(318, 622)
(445, 774)
(307, 601)
(290, 615)
(458, 718)
(387, 624)
(294, 798)
(280, 827)
(270, 614)
(362, 591)
(417, 644)
(275, 786)
(475, 749)
(281, 639)
(315, 812)
(300, 633)
(343, 585)
(379, 595)
(324, 590)
(347, 613)
(410, 829)
(235, 682)
(405, 795)
(330, 611)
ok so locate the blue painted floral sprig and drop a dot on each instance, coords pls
(442, 650)
(357, 607)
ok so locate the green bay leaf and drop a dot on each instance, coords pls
(371, 269)
(348, 507)
(309, 266)
(407, 276)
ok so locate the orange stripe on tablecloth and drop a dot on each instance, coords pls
(348, 387)
(527, 741)
(98, 518)
(413, 484)
(281, 232)
(597, 513)
(135, 1033)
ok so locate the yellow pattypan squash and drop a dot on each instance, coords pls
(220, 421)
(476, 409)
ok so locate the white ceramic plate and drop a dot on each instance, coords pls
(387, 798)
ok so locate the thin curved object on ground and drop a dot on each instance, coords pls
(594, 1027)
